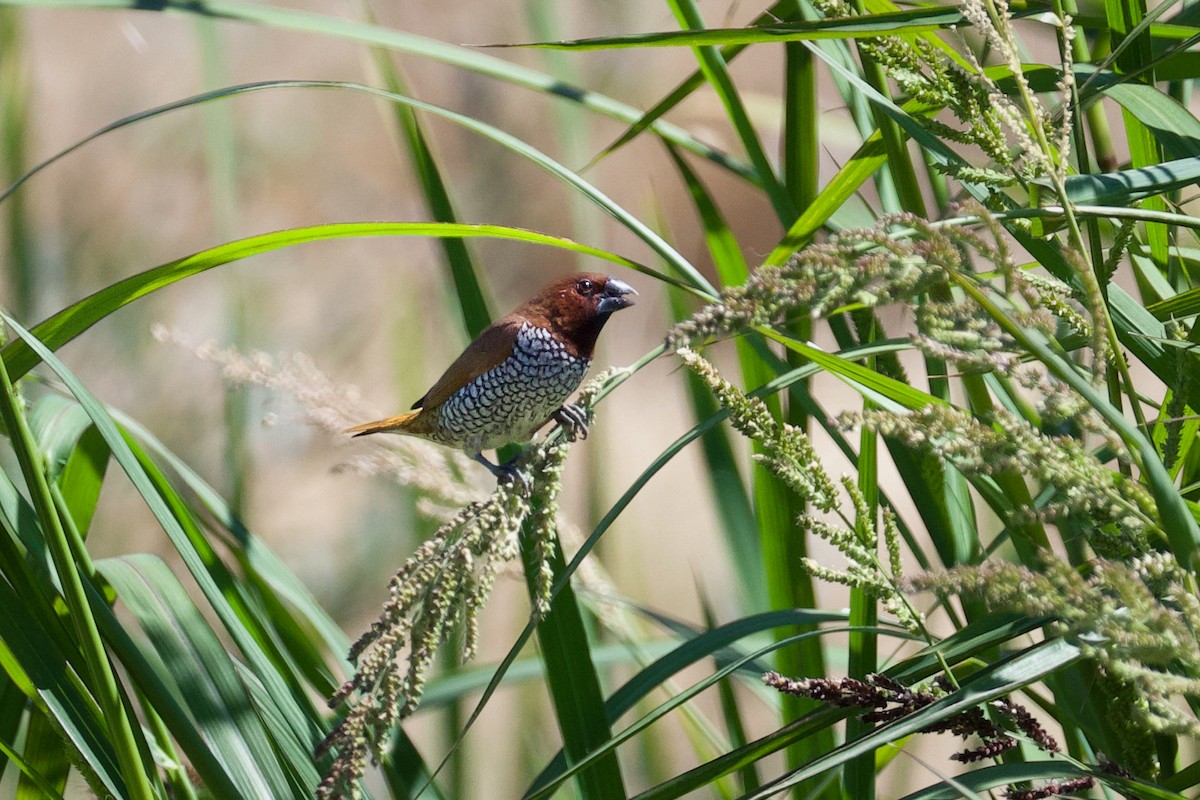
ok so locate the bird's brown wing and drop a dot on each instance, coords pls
(487, 351)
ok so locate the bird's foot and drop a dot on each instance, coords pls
(508, 472)
(572, 418)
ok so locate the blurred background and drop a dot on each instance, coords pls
(378, 314)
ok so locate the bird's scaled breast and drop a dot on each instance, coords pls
(513, 399)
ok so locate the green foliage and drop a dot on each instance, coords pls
(1024, 357)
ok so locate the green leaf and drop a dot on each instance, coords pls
(73, 320)
(1131, 185)
(898, 23)
(571, 674)
(199, 671)
(46, 762)
(1175, 128)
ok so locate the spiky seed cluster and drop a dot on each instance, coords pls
(986, 116)
(1084, 486)
(788, 453)
(442, 586)
(786, 449)
(1137, 620)
(864, 570)
(889, 700)
(1052, 789)
(869, 267)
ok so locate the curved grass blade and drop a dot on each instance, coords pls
(897, 23)
(733, 501)
(257, 561)
(999, 679)
(98, 673)
(473, 305)
(202, 674)
(715, 72)
(685, 696)
(986, 778)
(715, 643)
(78, 317)
(76, 455)
(1131, 185)
(781, 10)
(208, 572)
(1175, 128)
(401, 41)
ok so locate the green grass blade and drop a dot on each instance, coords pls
(46, 763)
(897, 23)
(780, 10)
(1169, 122)
(466, 58)
(100, 676)
(985, 778)
(571, 676)
(78, 317)
(34, 659)
(204, 677)
(83, 477)
(1129, 186)
(712, 65)
(472, 304)
(854, 173)
(260, 565)
(733, 501)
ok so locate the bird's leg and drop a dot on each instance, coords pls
(505, 472)
(573, 419)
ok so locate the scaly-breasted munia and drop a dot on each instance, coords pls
(517, 374)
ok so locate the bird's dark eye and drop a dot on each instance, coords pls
(585, 286)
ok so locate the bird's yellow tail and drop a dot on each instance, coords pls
(398, 424)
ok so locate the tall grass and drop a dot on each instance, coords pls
(944, 419)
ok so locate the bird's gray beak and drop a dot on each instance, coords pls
(616, 296)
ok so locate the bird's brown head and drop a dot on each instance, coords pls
(577, 307)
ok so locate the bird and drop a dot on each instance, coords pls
(516, 376)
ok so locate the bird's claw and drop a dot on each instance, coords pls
(508, 472)
(572, 418)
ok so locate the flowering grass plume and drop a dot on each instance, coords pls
(889, 700)
(1120, 512)
(1138, 620)
(443, 586)
(438, 473)
(786, 449)
(788, 453)
(1021, 140)
(906, 259)
(868, 267)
